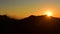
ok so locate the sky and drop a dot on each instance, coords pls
(25, 8)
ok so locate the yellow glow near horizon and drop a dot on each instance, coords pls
(48, 13)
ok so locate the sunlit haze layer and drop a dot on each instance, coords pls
(25, 8)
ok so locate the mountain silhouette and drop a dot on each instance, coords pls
(30, 25)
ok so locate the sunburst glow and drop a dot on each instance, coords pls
(48, 13)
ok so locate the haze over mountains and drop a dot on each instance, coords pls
(30, 25)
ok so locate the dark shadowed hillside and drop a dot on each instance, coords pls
(30, 25)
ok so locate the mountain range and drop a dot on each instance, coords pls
(30, 25)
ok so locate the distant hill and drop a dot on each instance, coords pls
(31, 25)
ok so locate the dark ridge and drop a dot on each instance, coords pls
(30, 25)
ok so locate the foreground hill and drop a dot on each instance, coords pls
(31, 25)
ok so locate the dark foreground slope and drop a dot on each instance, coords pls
(30, 25)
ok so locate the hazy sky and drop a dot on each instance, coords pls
(24, 8)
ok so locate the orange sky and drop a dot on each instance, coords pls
(25, 8)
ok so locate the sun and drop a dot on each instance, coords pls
(48, 13)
